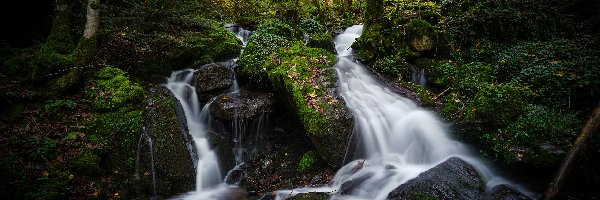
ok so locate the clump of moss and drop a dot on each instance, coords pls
(321, 40)
(307, 161)
(112, 89)
(87, 163)
(269, 36)
(210, 45)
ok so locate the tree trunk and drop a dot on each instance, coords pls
(591, 126)
(93, 19)
(84, 51)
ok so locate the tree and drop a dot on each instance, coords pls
(82, 55)
(591, 126)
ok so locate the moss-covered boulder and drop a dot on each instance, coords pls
(321, 40)
(452, 179)
(212, 45)
(269, 36)
(305, 78)
(174, 166)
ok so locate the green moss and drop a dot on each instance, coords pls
(321, 40)
(210, 45)
(87, 163)
(112, 89)
(307, 160)
(269, 36)
(306, 76)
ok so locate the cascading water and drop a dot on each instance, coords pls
(399, 140)
(145, 138)
(209, 184)
(209, 181)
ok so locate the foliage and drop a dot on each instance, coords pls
(467, 78)
(112, 89)
(307, 160)
(392, 66)
(512, 20)
(562, 73)
(521, 139)
(41, 149)
(499, 104)
(311, 26)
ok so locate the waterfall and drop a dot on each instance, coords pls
(398, 139)
(209, 182)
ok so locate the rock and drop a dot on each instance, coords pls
(348, 186)
(211, 77)
(504, 192)
(306, 81)
(173, 164)
(452, 179)
(310, 196)
(421, 43)
(245, 105)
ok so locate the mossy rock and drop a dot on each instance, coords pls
(305, 78)
(174, 165)
(421, 34)
(267, 39)
(211, 45)
(321, 40)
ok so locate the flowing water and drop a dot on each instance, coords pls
(398, 139)
(209, 181)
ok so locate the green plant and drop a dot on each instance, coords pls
(41, 149)
(498, 104)
(307, 160)
(535, 136)
(56, 104)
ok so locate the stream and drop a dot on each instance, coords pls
(398, 140)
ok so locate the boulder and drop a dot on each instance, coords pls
(504, 192)
(211, 77)
(306, 81)
(174, 165)
(311, 196)
(452, 179)
(244, 104)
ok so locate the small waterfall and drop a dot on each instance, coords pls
(145, 138)
(418, 77)
(209, 181)
(399, 140)
(209, 184)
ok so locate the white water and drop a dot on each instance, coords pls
(209, 184)
(209, 181)
(399, 140)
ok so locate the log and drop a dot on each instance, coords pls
(591, 126)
